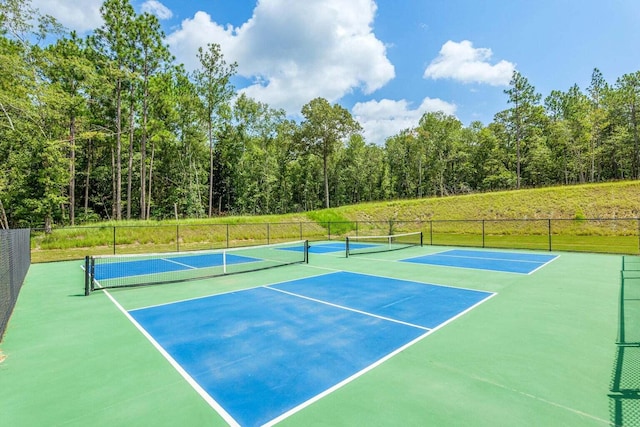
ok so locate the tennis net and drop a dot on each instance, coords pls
(356, 245)
(119, 271)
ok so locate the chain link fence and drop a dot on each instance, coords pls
(15, 259)
(624, 395)
(618, 236)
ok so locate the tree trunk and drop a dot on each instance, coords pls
(325, 156)
(86, 181)
(143, 155)
(72, 170)
(118, 165)
(130, 168)
(153, 151)
(4, 222)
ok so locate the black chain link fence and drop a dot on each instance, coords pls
(15, 259)
(620, 236)
(624, 395)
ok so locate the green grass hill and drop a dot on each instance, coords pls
(609, 200)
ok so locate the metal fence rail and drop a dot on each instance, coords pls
(603, 235)
(15, 259)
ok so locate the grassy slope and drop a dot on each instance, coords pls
(610, 200)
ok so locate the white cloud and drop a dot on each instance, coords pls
(294, 51)
(156, 8)
(385, 118)
(462, 62)
(81, 18)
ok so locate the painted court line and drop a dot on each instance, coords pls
(498, 261)
(370, 367)
(179, 263)
(315, 390)
(193, 383)
(444, 254)
(349, 309)
(230, 292)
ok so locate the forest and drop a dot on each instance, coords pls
(109, 127)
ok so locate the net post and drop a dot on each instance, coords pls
(306, 251)
(87, 276)
(346, 247)
(421, 239)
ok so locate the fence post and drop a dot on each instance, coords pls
(431, 232)
(329, 229)
(114, 239)
(483, 233)
(621, 331)
(549, 231)
(177, 237)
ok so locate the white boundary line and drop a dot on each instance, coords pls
(193, 383)
(348, 308)
(408, 260)
(486, 258)
(368, 368)
(223, 413)
(227, 292)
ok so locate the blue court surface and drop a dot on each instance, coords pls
(323, 248)
(508, 262)
(262, 353)
(140, 267)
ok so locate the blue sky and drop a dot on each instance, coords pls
(390, 61)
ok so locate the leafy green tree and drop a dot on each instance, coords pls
(71, 73)
(597, 91)
(405, 159)
(439, 133)
(627, 103)
(154, 57)
(113, 41)
(520, 118)
(324, 130)
(213, 83)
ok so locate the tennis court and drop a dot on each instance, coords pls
(325, 340)
(508, 262)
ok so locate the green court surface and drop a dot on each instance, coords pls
(538, 353)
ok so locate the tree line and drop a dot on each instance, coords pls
(109, 127)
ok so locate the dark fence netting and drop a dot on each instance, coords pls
(15, 258)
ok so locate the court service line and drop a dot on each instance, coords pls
(231, 291)
(543, 265)
(442, 254)
(178, 263)
(350, 309)
(193, 383)
(369, 368)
